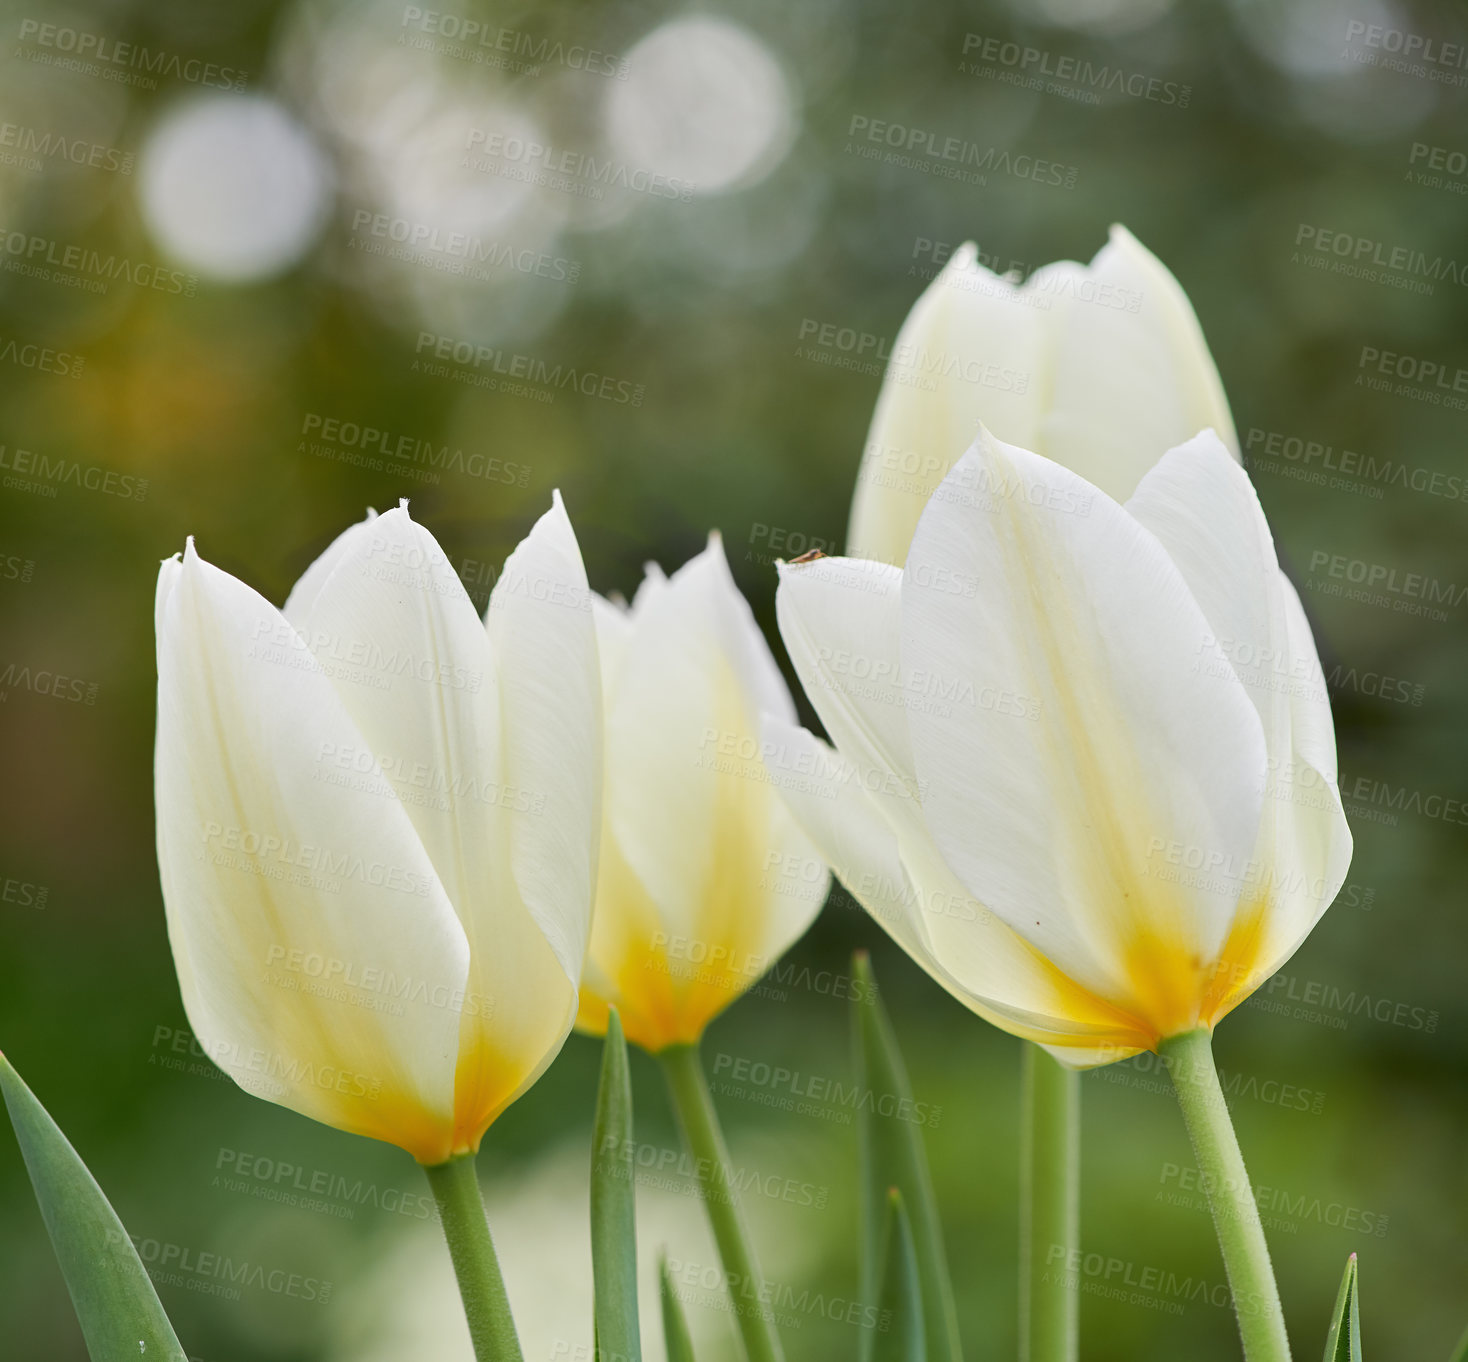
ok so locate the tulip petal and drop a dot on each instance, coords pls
(970, 352)
(274, 879)
(391, 623)
(1097, 745)
(1129, 373)
(309, 585)
(394, 625)
(905, 886)
(1200, 504)
(703, 858)
(541, 631)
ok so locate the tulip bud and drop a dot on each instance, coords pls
(1101, 367)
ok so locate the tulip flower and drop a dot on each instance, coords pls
(1101, 367)
(705, 878)
(377, 832)
(1087, 778)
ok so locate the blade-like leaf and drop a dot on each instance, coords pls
(1343, 1343)
(676, 1338)
(892, 1155)
(120, 1314)
(613, 1207)
(899, 1335)
(1460, 1353)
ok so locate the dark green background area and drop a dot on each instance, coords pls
(206, 398)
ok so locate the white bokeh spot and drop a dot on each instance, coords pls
(233, 187)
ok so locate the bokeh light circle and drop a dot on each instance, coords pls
(704, 102)
(233, 187)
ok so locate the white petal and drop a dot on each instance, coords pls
(1096, 743)
(841, 619)
(1201, 506)
(1127, 385)
(969, 352)
(394, 626)
(686, 798)
(543, 637)
(917, 900)
(318, 954)
(391, 623)
(306, 589)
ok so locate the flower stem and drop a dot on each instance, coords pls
(705, 1141)
(1049, 1223)
(486, 1306)
(1189, 1060)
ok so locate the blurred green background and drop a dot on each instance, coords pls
(217, 281)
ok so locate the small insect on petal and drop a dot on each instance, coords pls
(810, 557)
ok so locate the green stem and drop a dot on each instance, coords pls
(1049, 1224)
(705, 1141)
(486, 1306)
(1189, 1060)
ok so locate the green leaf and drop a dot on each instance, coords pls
(899, 1335)
(1343, 1343)
(613, 1207)
(676, 1339)
(892, 1155)
(120, 1314)
(1460, 1353)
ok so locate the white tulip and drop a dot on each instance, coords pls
(1086, 773)
(377, 826)
(1101, 367)
(706, 880)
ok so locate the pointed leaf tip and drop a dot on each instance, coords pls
(1343, 1342)
(677, 1341)
(613, 1206)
